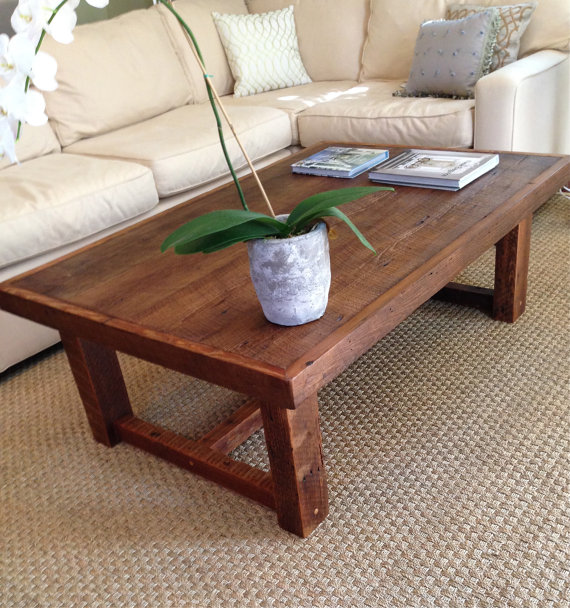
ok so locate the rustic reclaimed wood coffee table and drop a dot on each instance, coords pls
(199, 314)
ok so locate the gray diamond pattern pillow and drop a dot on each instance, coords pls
(451, 56)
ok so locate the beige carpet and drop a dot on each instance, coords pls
(448, 453)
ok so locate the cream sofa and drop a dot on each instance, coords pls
(131, 132)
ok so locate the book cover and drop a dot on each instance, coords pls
(434, 168)
(338, 161)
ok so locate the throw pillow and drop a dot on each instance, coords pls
(451, 56)
(514, 21)
(262, 51)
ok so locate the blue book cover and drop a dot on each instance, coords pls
(338, 161)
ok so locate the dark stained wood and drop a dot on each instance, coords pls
(236, 429)
(467, 295)
(205, 305)
(511, 271)
(507, 301)
(232, 370)
(295, 454)
(101, 386)
(198, 458)
(199, 314)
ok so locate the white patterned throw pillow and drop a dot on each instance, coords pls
(262, 51)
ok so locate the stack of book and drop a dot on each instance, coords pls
(445, 170)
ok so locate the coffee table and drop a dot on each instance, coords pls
(199, 314)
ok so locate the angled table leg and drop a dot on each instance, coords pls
(511, 270)
(293, 438)
(101, 386)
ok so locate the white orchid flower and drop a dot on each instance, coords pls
(34, 109)
(61, 27)
(24, 20)
(25, 106)
(20, 59)
(31, 17)
(18, 56)
(7, 62)
(43, 72)
(8, 129)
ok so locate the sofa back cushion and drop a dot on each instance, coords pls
(33, 142)
(198, 16)
(115, 73)
(549, 27)
(394, 24)
(392, 32)
(331, 34)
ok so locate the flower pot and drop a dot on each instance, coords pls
(292, 276)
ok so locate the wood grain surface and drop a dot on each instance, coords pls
(197, 313)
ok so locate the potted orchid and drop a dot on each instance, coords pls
(287, 293)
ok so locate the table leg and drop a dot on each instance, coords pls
(511, 270)
(101, 386)
(293, 438)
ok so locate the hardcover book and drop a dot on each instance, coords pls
(445, 170)
(338, 161)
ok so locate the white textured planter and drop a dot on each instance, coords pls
(292, 276)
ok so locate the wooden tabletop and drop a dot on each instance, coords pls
(193, 310)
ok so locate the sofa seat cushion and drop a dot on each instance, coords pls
(182, 148)
(58, 199)
(369, 113)
(295, 99)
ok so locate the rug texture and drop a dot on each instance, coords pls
(447, 448)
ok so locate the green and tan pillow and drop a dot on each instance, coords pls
(451, 56)
(513, 22)
(262, 51)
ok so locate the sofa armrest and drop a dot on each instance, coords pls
(524, 106)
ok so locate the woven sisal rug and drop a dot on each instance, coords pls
(447, 448)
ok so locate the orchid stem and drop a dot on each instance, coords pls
(215, 99)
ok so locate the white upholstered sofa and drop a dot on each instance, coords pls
(131, 132)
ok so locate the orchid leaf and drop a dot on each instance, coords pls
(334, 212)
(253, 229)
(219, 221)
(309, 207)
